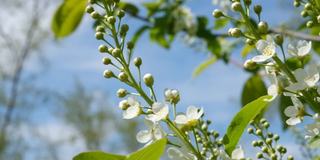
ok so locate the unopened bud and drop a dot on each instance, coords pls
(124, 29)
(235, 32)
(116, 52)
(278, 39)
(111, 20)
(124, 104)
(250, 64)
(122, 93)
(308, 6)
(236, 6)
(137, 62)
(217, 13)
(250, 42)
(108, 74)
(89, 9)
(123, 77)
(310, 24)
(100, 29)
(95, 15)
(247, 2)
(106, 61)
(304, 13)
(263, 27)
(99, 35)
(103, 49)
(296, 3)
(130, 45)
(148, 79)
(121, 13)
(257, 9)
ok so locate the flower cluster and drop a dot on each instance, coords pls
(310, 10)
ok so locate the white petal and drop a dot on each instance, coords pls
(131, 112)
(237, 154)
(194, 113)
(260, 58)
(158, 133)
(273, 90)
(296, 87)
(292, 49)
(304, 47)
(300, 74)
(291, 111)
(144, 136)
(175, 154)
(296, 102)
(149, 123)
(181, 119)
(293, 121)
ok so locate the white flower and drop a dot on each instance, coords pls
(155, 132)
(313, 130)
(191, 118)
(273, 89)
(237, 154)
(184, 19)
(299, 48)
(160, 112)
(131, 107)
(306, 78)
(295, 112)
(180, 154)
(172, 95)
(267, 48)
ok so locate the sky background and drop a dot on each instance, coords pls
(217, 90)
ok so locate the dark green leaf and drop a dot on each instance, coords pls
(98, 156)
(253, 89)
(67, 18)
(241, 120)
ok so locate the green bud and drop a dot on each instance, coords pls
(122, 93)
(111, 20)
(308, 6)
(269, 141)
(110, 50)
(103, 49)
(106, 61)
(257, 9)
(121, 13)
(266, 125)
(259, 155)
(270, 135)
(250, 64)
(296, 3)
(310, 24)
(304, 13)
(290, 157)
(124, 29)
(137, 62)
(278, 39)
(108, 74)
(204, 127)
(100, 29)
(263, 27)
(123, 77)
(258, 132)
(95, 15)
(130, 45)
(276, 137)
(264, 149)
(318, 19)
(116, 52)
(250, 42)
(263, 120)
(250, 130)
(148, 79)
(247, 2)
(255, 144)
(99, 35)
(217, 13)
(89, 9)
(236, 6)
(274, 157)
(235, 32)
(216, 135)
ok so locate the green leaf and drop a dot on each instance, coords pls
(138, 33)
(253, 89)
(220, 23)
(241, 120)
(246, 50)
(203, 66)
(153, 7)
(98, 156)
(129, 7)
(68, 17)
(151, 152)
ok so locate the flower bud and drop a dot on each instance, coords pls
(137, 62)
(278, 39)
(99, 36)
(263, 27)
(258, 132)
(111, 20)
(130, 45)
(257, 9)
(106, 61)
(296, 3)
(108, 74)
(100, 29)
(290, 157)
(124, 104)
(250, 42)
(122, 93)
(247, 2)
(269, 141)
(116, 52)
(89, 9)
(103, 48)
(124, 29)
(274, 156)
(236, 6)
(250, 64)
(121, 13)
(304, 13)
(310, 24)
(235, 32)
(307, 6)
(264, 149)
(259, 155)
(318, 19)
(148, 79)
(123, 77)
(276, 137)
(110, 50)
(172, 96)
(217, 13)
(95, 15)
(250, 130)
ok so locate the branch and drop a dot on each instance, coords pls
(299, 35)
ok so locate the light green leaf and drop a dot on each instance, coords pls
(220, 23)
(246, 50)
(204, 66)
(98, 156)
(241, 120)
(151, 152)
(253, 89)
(67, 17)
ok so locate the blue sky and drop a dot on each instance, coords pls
(218, 89)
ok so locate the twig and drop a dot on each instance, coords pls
(299, 35)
